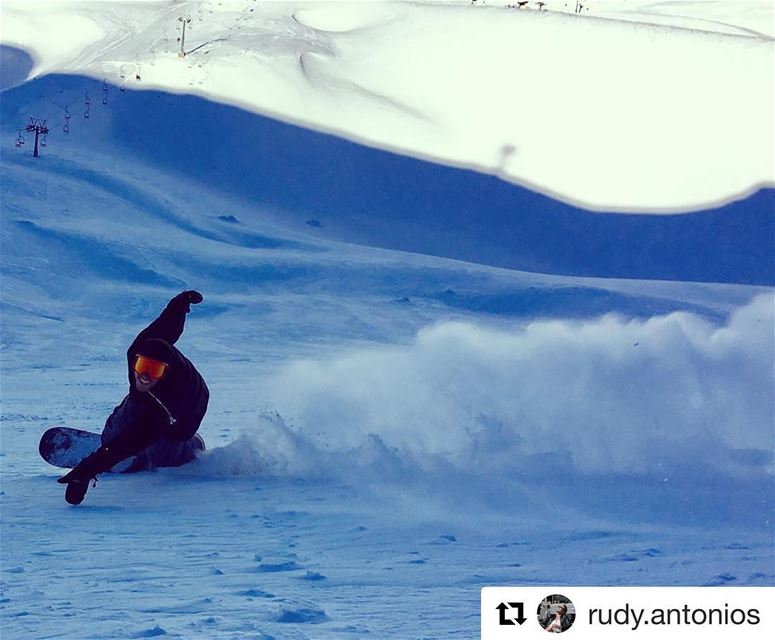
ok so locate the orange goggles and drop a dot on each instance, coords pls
(149, 367)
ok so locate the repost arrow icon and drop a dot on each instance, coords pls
(519, 606)
(503, 607)
(503, 619)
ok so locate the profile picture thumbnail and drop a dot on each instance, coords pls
(556, 613)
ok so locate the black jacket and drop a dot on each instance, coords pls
(175, 406)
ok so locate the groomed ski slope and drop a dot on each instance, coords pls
(426, 377)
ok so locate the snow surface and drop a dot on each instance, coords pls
(425, 379)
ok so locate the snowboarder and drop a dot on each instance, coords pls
(158, 419)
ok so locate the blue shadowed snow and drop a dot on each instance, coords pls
(15, 66)
(369, 196)
(91, 257)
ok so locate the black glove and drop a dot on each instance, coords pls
(193, 297)
(186, 298)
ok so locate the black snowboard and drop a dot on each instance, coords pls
(66, 447)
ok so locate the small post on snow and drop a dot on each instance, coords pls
(185, 21)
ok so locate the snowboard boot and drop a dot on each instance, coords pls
(168, 453)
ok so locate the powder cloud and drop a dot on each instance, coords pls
(673, 394)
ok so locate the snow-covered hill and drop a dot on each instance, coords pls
(414, 366)
(640, 114)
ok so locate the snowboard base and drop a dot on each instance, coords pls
(65, 447)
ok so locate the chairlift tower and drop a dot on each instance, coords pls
(38, 127)
(184, 21)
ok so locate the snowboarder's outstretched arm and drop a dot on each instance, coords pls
(168, 326)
